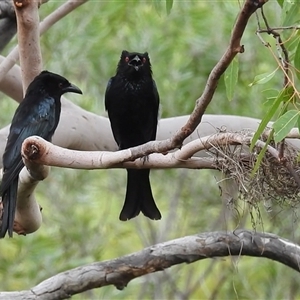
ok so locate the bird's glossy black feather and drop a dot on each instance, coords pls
(132, 102)
(38, 114)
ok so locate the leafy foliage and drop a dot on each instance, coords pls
(288, 97)
(231, 78)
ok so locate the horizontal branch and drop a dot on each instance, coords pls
(41, 152)
(119, 272)
(90, 132)
(37, 150)
(38, 153)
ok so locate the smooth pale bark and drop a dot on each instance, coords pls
(82, 130)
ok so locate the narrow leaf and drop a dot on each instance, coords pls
(292, 14)
(270, 96)
(280, 2)
(169, 5)
(298, 123)
(284, 124)
(261, 154)
(157, 6)
(264, 122)
(292, 40)
(263, 78)
(297, 61)
(231, 78)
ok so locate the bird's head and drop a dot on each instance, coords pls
(53, 84)
(134, 63)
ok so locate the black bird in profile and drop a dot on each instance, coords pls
(38, 114)
(132, 102)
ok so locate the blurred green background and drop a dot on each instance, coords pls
(81, 208)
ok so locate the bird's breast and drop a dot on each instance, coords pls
(133, 87)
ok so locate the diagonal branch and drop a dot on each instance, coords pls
(119, 272)
(250, 6)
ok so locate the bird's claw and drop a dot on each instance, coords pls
(145, 158)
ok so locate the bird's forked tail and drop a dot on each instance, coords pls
(9, 202)
(139, 196)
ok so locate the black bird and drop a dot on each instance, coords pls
(132, 102)
(38, 114)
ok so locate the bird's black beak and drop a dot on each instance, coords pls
(72, 88)
(136, 63)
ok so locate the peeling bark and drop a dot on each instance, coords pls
(120, 271)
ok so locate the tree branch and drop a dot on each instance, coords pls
(250, 6)
(8, 23)
(41, 152)
(28, 216)
(90, 132)
(37, 152)
(27, 13)
(11, 84)
(84, 127)
(119, 272)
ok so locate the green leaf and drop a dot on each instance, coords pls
(270, 95)
(297, 61)
(292, 11)
(298, 123)
(231, 78)
(263, 78)
(288, 94)
(261, 153)
(291, 41)
(157, 6)
(270, 113)
(284, 124)
(280, 2)
(169, 5)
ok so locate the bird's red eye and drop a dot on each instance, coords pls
(126, 59)
(144, 59)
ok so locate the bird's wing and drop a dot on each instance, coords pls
(156, 104)
(38, 121)
(156, 95)
(107, 91)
